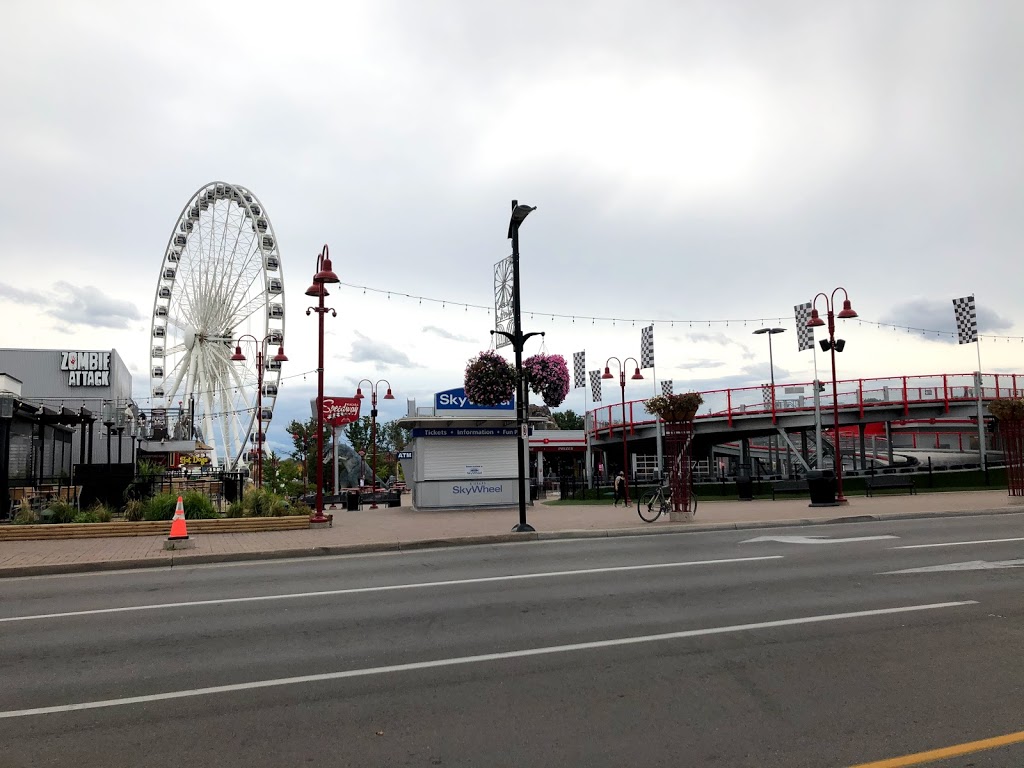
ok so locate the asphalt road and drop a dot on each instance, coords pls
(677, 650)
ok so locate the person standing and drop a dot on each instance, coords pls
(620, 489)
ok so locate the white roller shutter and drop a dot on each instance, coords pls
(446, 458)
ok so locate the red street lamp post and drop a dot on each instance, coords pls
(324, 274)
(238, 357)
(835, 345)
(622, 385)
(373, 429)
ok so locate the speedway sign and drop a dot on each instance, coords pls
(339, 411)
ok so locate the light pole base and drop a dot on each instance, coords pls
(324, 521)
(523, 528)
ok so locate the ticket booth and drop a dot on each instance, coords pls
(462, 455)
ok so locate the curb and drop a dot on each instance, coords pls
(172, 561)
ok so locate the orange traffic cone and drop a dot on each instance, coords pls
(178, 529)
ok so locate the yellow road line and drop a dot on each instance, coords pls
(931, 756)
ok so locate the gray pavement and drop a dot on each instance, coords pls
(403, 528)
(775, 646)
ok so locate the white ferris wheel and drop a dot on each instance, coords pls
(220, 279)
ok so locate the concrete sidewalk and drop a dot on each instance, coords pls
(402, 528)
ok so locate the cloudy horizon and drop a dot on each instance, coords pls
(704, 166)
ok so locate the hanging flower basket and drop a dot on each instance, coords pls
(548, 376)
(1007, 408)
(490, 379)
(675, 407)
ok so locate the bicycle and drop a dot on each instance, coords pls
(653, 504)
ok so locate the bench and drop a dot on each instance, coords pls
(789, 486)
(888, 482)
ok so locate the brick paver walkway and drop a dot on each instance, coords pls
(388, 528)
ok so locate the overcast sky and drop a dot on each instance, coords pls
(703, 161)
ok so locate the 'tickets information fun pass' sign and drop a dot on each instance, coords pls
(339, 411)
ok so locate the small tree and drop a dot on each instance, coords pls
(303, 436)
(568, 419)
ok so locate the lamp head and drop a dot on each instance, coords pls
(519, 214)
(636, 375)
(317, 289)
(815, 321)
(607, 374)
(389, 396)
(280, 357)
(238, 357)
(359, 393)
(847, 311)
(326, 274)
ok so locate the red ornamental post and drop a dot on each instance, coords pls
(1012, 433)
(679, 437)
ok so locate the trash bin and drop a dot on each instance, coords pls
(352, 500)
(394, 499)
(744, 484)
(533, 490)
(232, 486)
(822, 485)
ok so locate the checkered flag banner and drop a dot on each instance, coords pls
(966, 319)
(804, 335)
(595, 386)
(666, 387)
(766, 395)
(647, 347)
(579, 369)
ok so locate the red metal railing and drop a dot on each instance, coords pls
(860, 394)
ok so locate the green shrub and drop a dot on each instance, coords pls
(85, 517)
(261, 502)
(101, 512)
(62, 512)
(300, 508)
(160, 507)
(236, 509)
(25, 514)
(133, 510)
(198, 506)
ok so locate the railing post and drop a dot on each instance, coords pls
(945, 394)
(906, 405)
(860, 396)
(728, 406)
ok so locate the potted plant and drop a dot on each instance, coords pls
(490, 379)
(682, 407)
(1007, 408)
(548, 376)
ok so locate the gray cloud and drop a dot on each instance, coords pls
(700, 364)
(937, 315)
(366, 350)
(721, 340)
(446, 334)
(21, 296)
(89, 306)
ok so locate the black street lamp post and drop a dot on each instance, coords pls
(373, 429)
(835, 345)
(622, 385)
(324, 275)
(518, 339)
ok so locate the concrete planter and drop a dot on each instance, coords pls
(146, 528)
